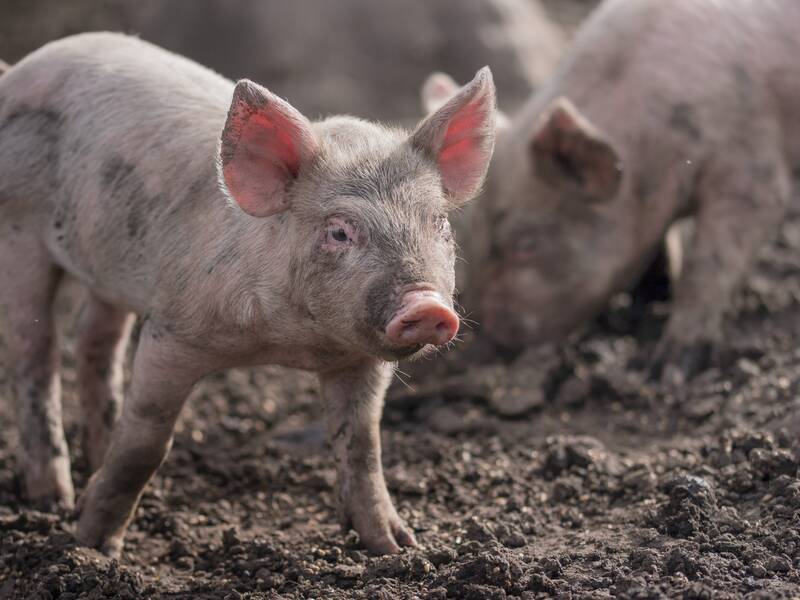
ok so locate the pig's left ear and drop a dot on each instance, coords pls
(459, 137)
(568, 150)
(264, 144)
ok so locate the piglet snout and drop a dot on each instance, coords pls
(423, 318)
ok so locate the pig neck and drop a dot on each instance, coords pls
(237, 289)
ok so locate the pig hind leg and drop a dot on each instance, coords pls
(28, 282)
(164, 371)
(105, 331)
(741, 204)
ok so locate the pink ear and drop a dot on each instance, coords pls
(460, 137)
(437, 89)
(264, 144)
(567, 150)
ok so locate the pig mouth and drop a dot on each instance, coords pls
(408, 352)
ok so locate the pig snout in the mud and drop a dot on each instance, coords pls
(423, 318)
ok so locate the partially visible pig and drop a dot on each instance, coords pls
(358, 56)
(661, 110)
(241, 232)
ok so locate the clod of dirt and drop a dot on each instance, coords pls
(772, 463)
(490, 568)
(563, 452)
(691, 506)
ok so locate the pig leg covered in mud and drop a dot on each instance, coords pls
(29, 281)
(354, 402)
(164, 372)
(26, 297)
(104, 333)
(741, 201)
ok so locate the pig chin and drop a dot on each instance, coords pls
(410, 353)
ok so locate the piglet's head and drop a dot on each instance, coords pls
(365, 210)
(562, 235)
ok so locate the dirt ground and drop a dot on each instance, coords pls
(561, 473)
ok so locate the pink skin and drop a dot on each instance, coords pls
(423, 318)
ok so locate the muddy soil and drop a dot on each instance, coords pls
(563, 472)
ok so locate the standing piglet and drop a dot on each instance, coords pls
(660, 110)
(241, 233)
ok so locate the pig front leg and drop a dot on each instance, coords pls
(164, 372)
(741, 206)
(354, 403)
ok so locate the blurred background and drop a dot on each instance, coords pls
(362, 57)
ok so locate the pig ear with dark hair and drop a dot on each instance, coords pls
(459, 137)
(567, 150)
(264, 144)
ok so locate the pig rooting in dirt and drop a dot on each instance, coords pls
(660, 112)
(242, 233)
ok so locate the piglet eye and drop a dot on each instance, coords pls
(340, 234)
(443, 225)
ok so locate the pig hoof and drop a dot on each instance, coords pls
(404, 537)
(389, 541)
(675, 363)
(64, 506)
(111, 547)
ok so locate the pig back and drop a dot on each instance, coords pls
(116, 143)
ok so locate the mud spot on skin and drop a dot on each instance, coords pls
(683, 119)
(45, 125)
(111, 412)
(42, 122)
(122, 184)
(382, 298)
(43, 431)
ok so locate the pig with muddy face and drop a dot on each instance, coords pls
(242, 233)
(659, 111)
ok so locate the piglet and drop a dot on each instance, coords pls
(660, 112)
(241, 233)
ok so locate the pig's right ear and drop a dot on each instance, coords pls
(264, 144)
(459, 137)
(567, 150)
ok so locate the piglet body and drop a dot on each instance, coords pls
(240, 232)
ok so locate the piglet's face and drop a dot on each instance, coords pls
(558, 244)
(372, 252)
